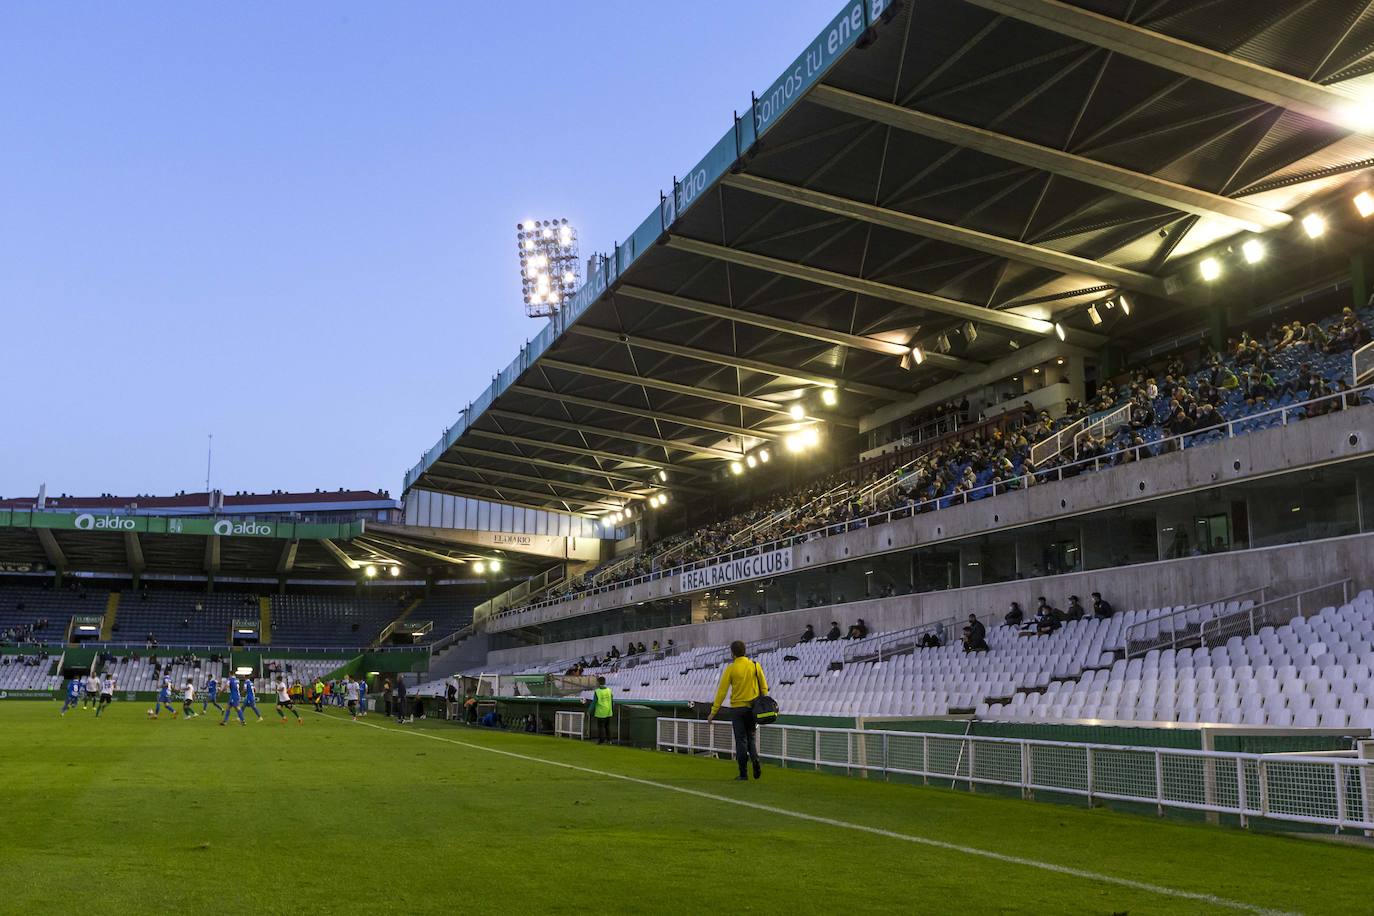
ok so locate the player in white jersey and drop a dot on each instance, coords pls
(284, 702)
(187, 697)
(92, 691)
(107, 689)
(351, 693)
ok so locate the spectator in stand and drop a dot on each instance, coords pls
(808, 634)
(858, 630)
(1015, 616)
(975, 635)
(834, 630)
(1102, 608)
(1076, 610)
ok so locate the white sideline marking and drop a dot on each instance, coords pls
(1161, 890)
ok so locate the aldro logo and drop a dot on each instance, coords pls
(226, 528)
(88, 522)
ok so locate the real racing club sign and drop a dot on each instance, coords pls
(741, 570)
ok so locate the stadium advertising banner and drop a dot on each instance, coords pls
(741, 570)
(26, 694)
(103, 522)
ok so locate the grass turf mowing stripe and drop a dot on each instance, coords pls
(1050, 867)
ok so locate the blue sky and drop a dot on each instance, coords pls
(292, 224)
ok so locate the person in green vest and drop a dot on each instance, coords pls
(319, 695)
(602, 701)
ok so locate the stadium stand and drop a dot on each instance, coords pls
(1254, 377)
(28, 672)
(449, 611)
(31, 614)
(299, 669)
(145, 673)
(182, 618)
(1307, 672)
(322, 620)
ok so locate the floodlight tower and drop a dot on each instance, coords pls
(549, 269)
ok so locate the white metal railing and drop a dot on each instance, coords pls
(1177, 628)
(1056, 443)
(1362, 364)
(1112, 419)
(568, 723)
(1305, 788)
(1271, 612)
(902, 642)
(1346, 400)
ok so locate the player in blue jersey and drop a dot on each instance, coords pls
(164, 697)
(250, 698)
(232, 686)
(362, 695)
(211, 694)
(73, 695)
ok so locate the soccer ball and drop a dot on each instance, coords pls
(150, 713)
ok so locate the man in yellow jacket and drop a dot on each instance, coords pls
(744, 679)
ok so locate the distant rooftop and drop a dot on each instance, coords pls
(276, 500)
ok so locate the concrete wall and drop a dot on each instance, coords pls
(1146, 585)
(1309, 443)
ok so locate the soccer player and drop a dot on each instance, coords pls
(233, 689)
(164, 698)
(92, 690)
(362, 695)
(188, 696)
(351, 691)
(211, 692)
(73, 695)
(284, 702)
(107, 689)
(250, 698)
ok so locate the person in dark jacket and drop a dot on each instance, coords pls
(400, 699)
(1015, 616)
(834, 630)
(975, 635)
(1102, 607)
(808, 634)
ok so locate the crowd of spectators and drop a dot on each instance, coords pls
(25, 634)
(1291, 363)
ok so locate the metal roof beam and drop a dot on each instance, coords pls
(677, 388)
(704, 451)
(344, 559)
(212, 554)
(722, 428)
(51, 549)
(929, 302)
(998, 246)
(1177, 56)
(133, 553)
(287, 561)
(588, 452)
(545, 463)
(499, 488)
(1080, 168)
(439, 484)
(743, 362)
(787, 326)
(529, 478)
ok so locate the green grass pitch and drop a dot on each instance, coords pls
(125, 815)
